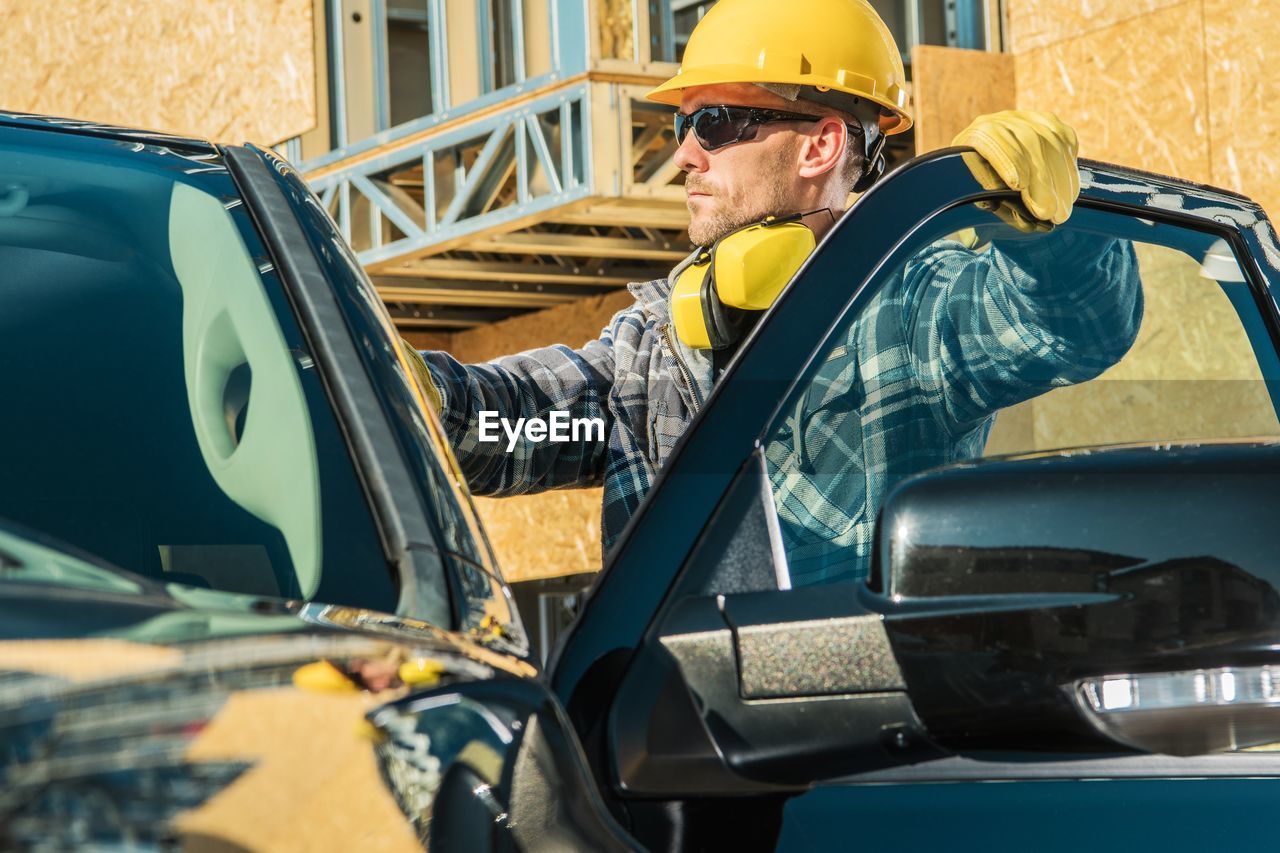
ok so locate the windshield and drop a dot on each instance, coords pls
(163, 412)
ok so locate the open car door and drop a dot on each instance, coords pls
(760, 663)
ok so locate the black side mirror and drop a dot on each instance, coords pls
(756, 690)
(1124, 596)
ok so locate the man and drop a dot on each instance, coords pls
(783, 109)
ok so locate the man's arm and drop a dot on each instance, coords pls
(990, 329)
(527, 385)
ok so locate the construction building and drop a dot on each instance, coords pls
(487, 158)
(490, 157)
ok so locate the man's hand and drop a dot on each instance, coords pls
(1031, 152)
(420, 370)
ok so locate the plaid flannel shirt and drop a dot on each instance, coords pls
(952, 338)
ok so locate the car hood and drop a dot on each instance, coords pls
(130, 710)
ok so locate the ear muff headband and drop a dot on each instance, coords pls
(873, 168)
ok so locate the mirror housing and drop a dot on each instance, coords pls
(740, 688)
(1085, 601)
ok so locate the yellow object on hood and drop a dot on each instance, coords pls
(323, 677)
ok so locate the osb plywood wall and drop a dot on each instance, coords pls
(952, 87)
(1183, 87)
(554, 533)
(234, 70)
(1190, 374)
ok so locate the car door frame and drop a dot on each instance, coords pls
(562, 806)
(644, 568)
(366, 405)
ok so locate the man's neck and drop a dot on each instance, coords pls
(820, 221)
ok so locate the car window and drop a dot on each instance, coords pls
(469, 550)
(1191, 373)
(976, 339)
(389, 362)
(162, 410)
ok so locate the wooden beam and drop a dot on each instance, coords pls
(407, 296)
(463, 241)
(578, 245)
(661, 171)
(479, 293)
(458, 270)
(639, 214)
(449, 317)
(647, 137)
(648, 74)
(573, 291)
(427, 296)
(432, 323)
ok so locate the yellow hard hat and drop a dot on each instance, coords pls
(837, 51)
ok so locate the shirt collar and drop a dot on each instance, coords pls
(653, 296)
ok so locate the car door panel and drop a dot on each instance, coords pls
(1045, 816)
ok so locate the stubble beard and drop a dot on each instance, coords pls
(744, 204)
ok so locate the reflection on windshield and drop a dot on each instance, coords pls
(978, 339)
(25, 561)
(256, 439)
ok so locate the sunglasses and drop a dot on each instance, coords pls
(717, 126)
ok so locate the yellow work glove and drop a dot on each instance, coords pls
(1031, 152)
(420, 370)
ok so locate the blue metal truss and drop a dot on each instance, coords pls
(488, 172)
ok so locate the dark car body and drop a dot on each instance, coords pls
(697, 702)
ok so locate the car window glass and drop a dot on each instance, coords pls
(1190, 374)
(430, 455)
(977, 339)
(165, 414)
(486, 600)
(454, 509)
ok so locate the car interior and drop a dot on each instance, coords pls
(138, 336)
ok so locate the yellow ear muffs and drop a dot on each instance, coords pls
(718, 297)
(686, 304)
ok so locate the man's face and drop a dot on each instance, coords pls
(744, 182)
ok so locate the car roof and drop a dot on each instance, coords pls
(105, 131)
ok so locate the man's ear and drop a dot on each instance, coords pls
(823, 147)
